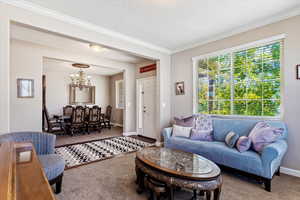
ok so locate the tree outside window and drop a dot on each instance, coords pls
(245, 82)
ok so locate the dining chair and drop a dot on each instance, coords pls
(68, 110)
(77, 123)
(106, 118)
(53, 124)
(86, 113)
(94, 117)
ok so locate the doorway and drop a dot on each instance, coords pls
(146, 107)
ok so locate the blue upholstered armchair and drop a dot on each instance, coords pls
(44, 144)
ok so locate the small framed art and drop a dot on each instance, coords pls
(25, 88)
(179, 88)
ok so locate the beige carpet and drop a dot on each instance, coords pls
(113, 179)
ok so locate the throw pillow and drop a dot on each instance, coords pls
(203, 122)
(181, 131)
(231, 138)
(263, 134)
(186, 122)
(202, 135)
(243, 144)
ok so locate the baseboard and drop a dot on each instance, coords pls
(116, 124)
(291, 172)
(129, 133)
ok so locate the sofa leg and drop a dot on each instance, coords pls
(267, 183)
(278, 172)
(58, 184)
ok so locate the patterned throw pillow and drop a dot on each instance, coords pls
(203, 128)
(263, 134)
(243, 144)
(231, 139)
(186, 122)
(203, 122)
(181, 131)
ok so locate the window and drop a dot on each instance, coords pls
(119, 94)
(241, 82)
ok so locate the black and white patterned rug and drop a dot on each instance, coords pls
(84, 153)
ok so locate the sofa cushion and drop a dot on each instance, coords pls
(203, 122)
(243, 144)
(53, 165)
(263, 134)
(218, 152)
(186, 121)
(181, 131)
(231, 139)
(240, 126)
(201, 135)
(203, 128)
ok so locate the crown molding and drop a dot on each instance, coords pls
(84, 24)
(244, 28)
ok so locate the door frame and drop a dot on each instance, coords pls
(139, 120)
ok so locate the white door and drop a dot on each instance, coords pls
(147, 108)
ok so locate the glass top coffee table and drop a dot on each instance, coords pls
(178, 169)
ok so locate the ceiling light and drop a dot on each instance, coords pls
(80, 79)
(97, 48)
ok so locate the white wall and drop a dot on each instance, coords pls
(57, 88)
(4, 74)
(27, 62)
(25, 113)
(182, 71)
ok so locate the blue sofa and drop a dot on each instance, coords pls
(44, 144)
(264, 165)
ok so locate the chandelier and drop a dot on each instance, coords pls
(80, 79)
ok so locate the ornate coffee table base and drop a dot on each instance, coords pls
(204, 186)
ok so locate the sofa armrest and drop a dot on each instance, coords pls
(272, 156)
(167, 132)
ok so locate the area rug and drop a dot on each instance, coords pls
(84, 153)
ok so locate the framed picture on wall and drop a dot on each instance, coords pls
(25, 88)
(179, 88)
(298, 72)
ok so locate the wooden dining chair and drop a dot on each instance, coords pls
(94, 117)
(68, 110)
(106, 118)
(86, 113)
(77, 123)
(53, 124)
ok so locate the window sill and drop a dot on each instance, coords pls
(246, 117)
